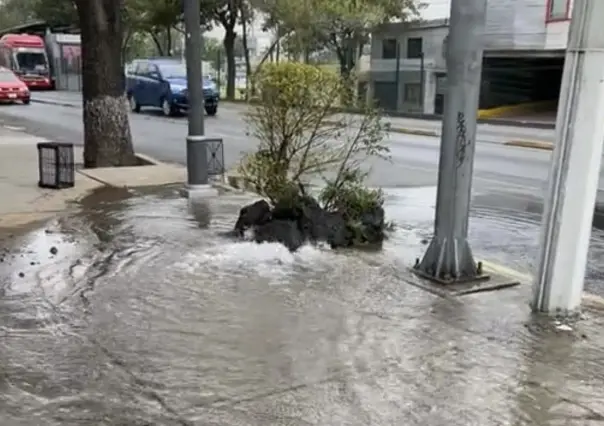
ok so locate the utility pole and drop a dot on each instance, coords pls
(397, 75)
(197, 161)
(448, 258)
(575, 170)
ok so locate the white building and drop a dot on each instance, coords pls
(524, 53)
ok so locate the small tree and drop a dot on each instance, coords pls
(302, 138)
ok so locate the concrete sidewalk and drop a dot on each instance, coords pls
(24, 202)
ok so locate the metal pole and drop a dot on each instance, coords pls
(219, 72)
(575, 170)
(397, 75)
(197, 164)
(422, 80)
(449, 257)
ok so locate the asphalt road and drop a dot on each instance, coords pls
(414, 158)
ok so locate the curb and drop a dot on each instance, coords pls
(589, 300)
(58, 103)
(546, 146)
(402, 130)
(417, 132)
(432, 117)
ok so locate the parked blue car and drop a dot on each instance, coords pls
(162, 83)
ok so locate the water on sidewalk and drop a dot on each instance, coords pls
(139, 311)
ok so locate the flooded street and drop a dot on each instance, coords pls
(138, 312)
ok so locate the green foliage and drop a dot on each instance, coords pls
(339, 25)
(301, 138)
(15, 12)
(350, 195)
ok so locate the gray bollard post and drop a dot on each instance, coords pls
(197, 161)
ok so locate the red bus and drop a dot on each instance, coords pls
(26, 55)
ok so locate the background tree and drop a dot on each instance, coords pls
(158, 18)
(107, 137)
(225, 13)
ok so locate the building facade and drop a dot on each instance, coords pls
(407, 66)
(525, 41)
(527, 25)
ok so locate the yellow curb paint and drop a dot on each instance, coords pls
(504, 270)
(589, 299)
(546, 146)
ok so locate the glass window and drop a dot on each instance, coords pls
(414, 47)
(178, 70)
(8, 77)
(412, 93)
(558, 9)
(32, 61)
(389, 46)
(142, 68)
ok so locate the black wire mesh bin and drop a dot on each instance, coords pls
(56, 165)
(215, 157)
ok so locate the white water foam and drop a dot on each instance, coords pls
(271, 261)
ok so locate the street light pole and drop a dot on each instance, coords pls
(575, 170)
(449, 258)
(194, 73)
(197, 162)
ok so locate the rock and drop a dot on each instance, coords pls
(253, 215)
(286, 232)
(372, 225)
(294, 222)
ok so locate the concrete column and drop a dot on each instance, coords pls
(575, 170)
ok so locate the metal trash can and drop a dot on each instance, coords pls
(56, 165)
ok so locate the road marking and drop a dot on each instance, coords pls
(546, 146)
(495, 182)
(18, 129)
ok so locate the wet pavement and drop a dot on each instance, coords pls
(138, 311)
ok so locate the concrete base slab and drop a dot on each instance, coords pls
(157, 174)
(490, 282)
(200, 191)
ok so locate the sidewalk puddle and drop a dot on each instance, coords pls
(138, 311)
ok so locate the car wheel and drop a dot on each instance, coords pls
(26, 101)
(134, 106)
(167, 108)
(211, 111)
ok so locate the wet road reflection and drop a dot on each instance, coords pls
(140, 316)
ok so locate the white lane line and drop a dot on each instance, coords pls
(500, 184)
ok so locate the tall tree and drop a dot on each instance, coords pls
(107, 137)
(160, 19)
(225, 13)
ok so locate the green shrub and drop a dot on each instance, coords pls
(301, 138)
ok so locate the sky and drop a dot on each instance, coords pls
(434, 9)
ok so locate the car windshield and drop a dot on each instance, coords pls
(179, 71)
(8, 77)
(173, 70)
(32, 61)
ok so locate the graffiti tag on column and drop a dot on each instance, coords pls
(462, 140)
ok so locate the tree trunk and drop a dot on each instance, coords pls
(157, 42)
(229, 49)
(107, 137)
(169, 47)
(246, 54)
